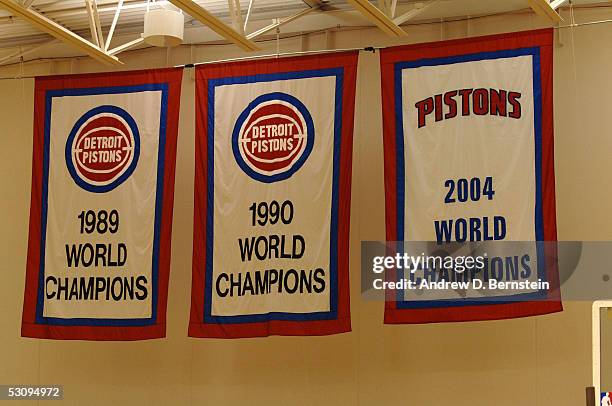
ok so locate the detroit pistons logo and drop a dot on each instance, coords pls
(273, 137)
(102, 149)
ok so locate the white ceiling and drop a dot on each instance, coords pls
(72, 14)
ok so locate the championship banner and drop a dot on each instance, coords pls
(468, 140)
(272, 197)
(101, 205)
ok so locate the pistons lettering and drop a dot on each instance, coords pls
(273, 137)
(102, 149)
(466, 102)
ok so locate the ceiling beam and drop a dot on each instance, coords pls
(393, 8)
(54, 29)
(111, 31)
(248, 15)
(126, 46)
(380, 19)
(557, 3)
(94, 23)
(544, 9)
(409, 15)
(218, 26)
(236, 14)
(279, 23)
(385, 7)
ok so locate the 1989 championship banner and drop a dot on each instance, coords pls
(272, 197)
(101, 209)
(468, 137)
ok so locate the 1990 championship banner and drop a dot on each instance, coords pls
(468, 137)
(101, 209)
(272, 197)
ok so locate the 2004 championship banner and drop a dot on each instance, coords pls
(101, 210)
(272, 197)
(468, 138)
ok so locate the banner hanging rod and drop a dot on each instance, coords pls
(281, 55)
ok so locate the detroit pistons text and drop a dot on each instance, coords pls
(271, 247)
(97, 256)
(272, 138)
(102, 150)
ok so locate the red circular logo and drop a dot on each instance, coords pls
(102, 149)
(273, 137)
